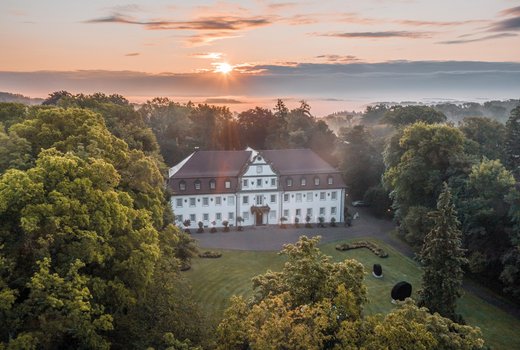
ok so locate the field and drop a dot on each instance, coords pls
(215, 280)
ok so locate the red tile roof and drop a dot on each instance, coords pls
(213, 164)
(297, 161)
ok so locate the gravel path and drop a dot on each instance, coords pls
(272, 238)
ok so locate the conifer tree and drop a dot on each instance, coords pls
(513, 142)
(442, 258)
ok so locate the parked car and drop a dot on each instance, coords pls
(359, 204)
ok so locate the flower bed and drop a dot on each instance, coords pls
(210, 254)
(374, 248)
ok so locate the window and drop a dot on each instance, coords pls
(212, 184)
(227, 184)
(322, 211)
(309, 197)
(192, 202)
(289, 182)
(178, 202)
(245, 200)
(258, 182)
(245, 183)
(273, 198)
(272, 215)
(273, 182)
(259, 200)
(298, 197)
(322, 196)
(286, 197)
(230, 200)
(231, 216)
(330, 180)
(309, 212)
(298, 212)
(218, 200)
(218, 216)
(205, 217)
(286, 213)
(245, 215)
(303, 181)
(179, 218)
(205, 201)
(333, 195)
(193, 218)
(197, 184)
(258, 169)
(316, 181)
(182, 186)
(333, 211)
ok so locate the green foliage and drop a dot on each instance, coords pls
(400, 116)
(360, 161)
(512, 145)
(443, 259)
(486, 135)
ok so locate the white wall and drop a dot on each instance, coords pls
(212, 209)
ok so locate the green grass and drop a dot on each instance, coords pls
(214, 281)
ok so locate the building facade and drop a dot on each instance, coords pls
(261, 187)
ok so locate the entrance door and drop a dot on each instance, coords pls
(259, 218)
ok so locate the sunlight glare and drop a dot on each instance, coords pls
(224, 68)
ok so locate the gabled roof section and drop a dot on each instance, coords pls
(213, 164)
(297, 161)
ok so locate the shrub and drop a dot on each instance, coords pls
(283, 219)
(296, 222)
(240, 220)
(210, 254)
(333, 222)
(187, 224)
(321, 220)
(374, 248)
(308, 222)
(201, 227)
(226, 224)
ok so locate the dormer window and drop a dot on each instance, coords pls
(197, 184)
(330, 180)
(303, 181)
(227, 184)
(212, 184)
(316, 181)
(289, 182)
(258, 169)
(182, 186)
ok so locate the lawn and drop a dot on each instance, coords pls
(215, 280)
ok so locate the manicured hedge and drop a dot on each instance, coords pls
(363, 244)
(210, 254)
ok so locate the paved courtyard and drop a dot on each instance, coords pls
(273, 237)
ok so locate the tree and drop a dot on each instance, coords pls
(400, 116)
(316, 304)
(513, 142)
(487, 136)
(254, 126)
(442, 257)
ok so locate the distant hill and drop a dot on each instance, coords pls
(10, 97)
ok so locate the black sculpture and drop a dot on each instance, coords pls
(377, 271)
(401, 291)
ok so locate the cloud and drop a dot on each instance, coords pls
(282, 5)
(209, 37)
(230, 23)
(338, 58)
(378, 35)
(507, 24)
(511, 11)
(130, 54)
(415, 23)
(208, 55)
(219, 100)
(488, 37)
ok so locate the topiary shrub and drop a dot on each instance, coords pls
(321, 221)
(210, 254)
(333, 222)
(240, 220)
(283, 219)
(226, 224)
(308, 222)
(374, 248)
(296, 222)
(187, 224)
(201, 227)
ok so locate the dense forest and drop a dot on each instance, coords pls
(89, 257)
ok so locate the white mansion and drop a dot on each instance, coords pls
(259, 186)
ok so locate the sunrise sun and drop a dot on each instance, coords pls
(224, 68)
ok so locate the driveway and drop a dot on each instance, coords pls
(273, 237)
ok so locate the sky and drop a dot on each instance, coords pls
(335, 54)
